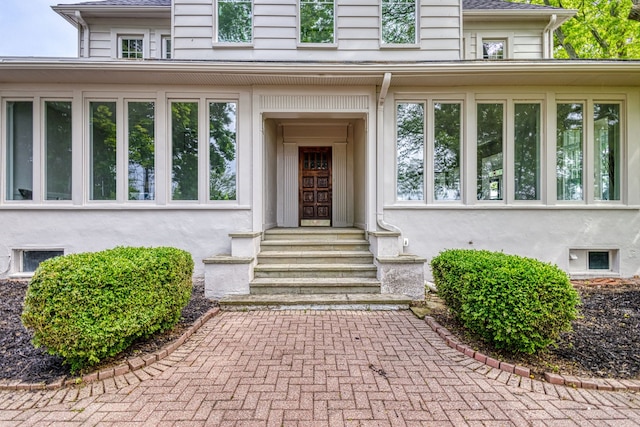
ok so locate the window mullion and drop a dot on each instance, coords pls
(38, 149)
(429, 152)
(203, 151)
(508, 147)
(588, 175)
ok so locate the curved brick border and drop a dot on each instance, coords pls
(567, 380)
(129, 365)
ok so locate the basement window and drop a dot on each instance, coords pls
(29, 260)
(599, 260)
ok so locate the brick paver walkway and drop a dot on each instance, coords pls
(333, 368)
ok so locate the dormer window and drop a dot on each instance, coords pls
(399, 20)
(131, 47)
(317, 21)
(493, 49)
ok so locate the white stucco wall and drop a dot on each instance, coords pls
(201, 232)
(545, 234)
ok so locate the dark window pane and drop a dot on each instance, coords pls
(599, 261)
(32, 259)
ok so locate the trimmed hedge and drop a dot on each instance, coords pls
(87, 307)
(515, 303)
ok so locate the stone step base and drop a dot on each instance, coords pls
(305, 257)
(315, 271)
(316, 302)
(298, 286)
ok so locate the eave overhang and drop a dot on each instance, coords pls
(68, 12)
(518, 15)
(75, 72)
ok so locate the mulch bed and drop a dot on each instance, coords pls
(605, 342)
(19, 360)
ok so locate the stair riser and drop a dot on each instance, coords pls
(262, 259)
(315, 274)
(275, 290)
(316, 247)
(327, 237)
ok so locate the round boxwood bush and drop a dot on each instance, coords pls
(517, 304)
(87, 307)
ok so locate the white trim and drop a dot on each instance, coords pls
(332, 45)
(218, 44)
(416, 41)
(118, 33)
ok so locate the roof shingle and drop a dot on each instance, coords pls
(466, 4)
(501, 5)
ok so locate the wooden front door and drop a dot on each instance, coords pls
(315, 186)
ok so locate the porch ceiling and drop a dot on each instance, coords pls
(430, 74)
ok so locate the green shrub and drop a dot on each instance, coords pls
(87, 307)
(515, 303)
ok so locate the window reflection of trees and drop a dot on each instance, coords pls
(410, 151)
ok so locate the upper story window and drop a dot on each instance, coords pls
(131, 47)
(317, 21)
(166, 47)
(234, 21)
(398, 22)
(493, 49)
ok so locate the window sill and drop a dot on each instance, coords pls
(124, 207)
(225, 45)
(391, 46)
(327, 46)
(502, 206)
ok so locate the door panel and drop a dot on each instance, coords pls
(315, 186)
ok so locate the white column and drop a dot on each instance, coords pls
(339, 184)
(290, 196)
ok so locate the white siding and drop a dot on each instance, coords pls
(526, 40)
(104, 33)
(275, 33)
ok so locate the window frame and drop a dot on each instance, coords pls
(588, 161)
(479, 37)
(416, 41)
(166, 52)
(43, 124)
(215, 38)
(429, 102)
(315, 45)
(125, 150)
(118, 34)
(36, 147)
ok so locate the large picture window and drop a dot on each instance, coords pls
(607, 156)
(569, 151)
(19, 116)
(102, 148)
(141, 150)
(317, 23)
(399, 21)
(490, 164)
(410, 125)
(234, 21)
(526, 146)
(447, 149)
(184, 149)
(58, 160)
(222, 151)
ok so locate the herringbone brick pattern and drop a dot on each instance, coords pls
(332, 368)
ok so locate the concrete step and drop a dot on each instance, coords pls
(314, 245)
(314, 233)
(318, 257)
(309, 285)
(314, 270)
(316, 302)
